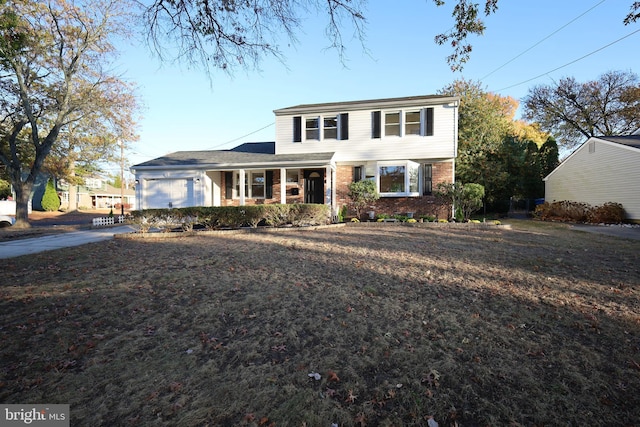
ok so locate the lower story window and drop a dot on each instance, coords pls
(399, 179)
(254, 184)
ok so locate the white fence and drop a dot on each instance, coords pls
(108, 220)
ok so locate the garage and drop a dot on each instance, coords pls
(168, 193)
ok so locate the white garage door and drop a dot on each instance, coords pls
(166, 193)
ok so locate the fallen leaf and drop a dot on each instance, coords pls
(332, 376)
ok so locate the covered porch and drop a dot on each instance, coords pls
(275, 180)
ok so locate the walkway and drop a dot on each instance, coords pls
(15, 248)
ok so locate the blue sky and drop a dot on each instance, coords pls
(185, 110)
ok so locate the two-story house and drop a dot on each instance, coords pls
(406, 145)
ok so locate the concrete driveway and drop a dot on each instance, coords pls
(15, 248)
(624, 231)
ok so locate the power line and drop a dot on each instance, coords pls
(569, 63)
(241, 137)
(547, 37)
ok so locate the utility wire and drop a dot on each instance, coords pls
(547, 37)
(569, 63)
(241, 137)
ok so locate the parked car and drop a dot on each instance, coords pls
(6, 221)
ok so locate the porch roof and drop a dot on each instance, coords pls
(245, 156)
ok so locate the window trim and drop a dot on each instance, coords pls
(248, 189)
(398, 125)
(407, 122)
(408, 165)
(316, 129)
(300, 129)
(379, 122)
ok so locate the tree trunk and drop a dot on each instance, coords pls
(23, 194)
(73, 188)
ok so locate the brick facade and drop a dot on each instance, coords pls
(291, 188)
(423, 205)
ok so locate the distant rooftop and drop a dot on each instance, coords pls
(630, 140)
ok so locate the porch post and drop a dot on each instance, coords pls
(329, 196)
(334, 179)
(283, 186)
(241, 185)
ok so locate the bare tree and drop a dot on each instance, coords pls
(52, 74)
(574, 111)
(225, 34)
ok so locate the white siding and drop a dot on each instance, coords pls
(611, 173)
(362, 147)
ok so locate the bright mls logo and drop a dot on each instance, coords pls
(35, 415)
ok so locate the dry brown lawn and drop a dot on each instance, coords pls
(534, 326)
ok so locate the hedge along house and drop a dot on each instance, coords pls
(406, 145)
(603, 169)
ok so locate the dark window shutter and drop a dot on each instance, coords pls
(357, 173)
(376, 124)
(344, 126)
(297, 128)
(268, 182)
(427, 180)
(228, 185)
(428, 118)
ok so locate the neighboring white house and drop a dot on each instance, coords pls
(406, 145)
(603, 169)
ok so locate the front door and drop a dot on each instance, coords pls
(314, 186)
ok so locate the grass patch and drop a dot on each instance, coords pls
(536, 326)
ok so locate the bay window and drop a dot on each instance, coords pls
(399, 178)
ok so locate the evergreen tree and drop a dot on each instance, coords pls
(50, 200)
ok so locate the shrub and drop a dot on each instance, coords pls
(566, 210)
(230, 216)
(253, 215)
(277, 215)
(609, 213)
(50, 200)
(466, 198)
(362, 194)
(342, 213)
(309, 214)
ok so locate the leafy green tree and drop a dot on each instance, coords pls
(362, 194)
(549, 157)
(464, 198)
(50, 200)
(484, 123)
(5, 189)
(53, 76)
(575, 111)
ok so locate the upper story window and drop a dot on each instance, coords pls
(392, 124)
(329, 127)
(312, 128)
(402, 123)
(412, 123)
